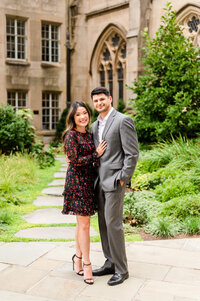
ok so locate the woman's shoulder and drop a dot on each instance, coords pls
(70, 134)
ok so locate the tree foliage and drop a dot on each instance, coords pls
(167, 99)
(16, 132)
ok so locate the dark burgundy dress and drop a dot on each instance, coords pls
(79, 186)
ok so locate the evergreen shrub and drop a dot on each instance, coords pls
(167, 99)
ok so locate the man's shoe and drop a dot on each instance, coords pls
(118, 278)
(104, 271)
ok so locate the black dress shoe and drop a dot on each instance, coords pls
(118, 278)
(104, 271)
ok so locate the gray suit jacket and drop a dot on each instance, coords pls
(120, 158)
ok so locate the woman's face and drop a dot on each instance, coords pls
(81, 118)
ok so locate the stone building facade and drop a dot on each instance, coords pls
(53, 52)
(33, 59)
(106, 41)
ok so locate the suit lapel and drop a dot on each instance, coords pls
(109, 123)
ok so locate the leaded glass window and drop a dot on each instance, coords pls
(50, 110)
(50, 43)
(17, 99)
(16, 38)
(112, 64)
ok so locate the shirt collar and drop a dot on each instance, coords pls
(106, 118)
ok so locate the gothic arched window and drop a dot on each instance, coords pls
(112, 64)
(189, 19)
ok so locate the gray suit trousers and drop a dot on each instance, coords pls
(110, 217)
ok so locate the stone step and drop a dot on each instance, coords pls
(51, 233)
(60, 175)
(61, 159)
(49, 201)
(57, 182)
(49, 216)
(55, 191)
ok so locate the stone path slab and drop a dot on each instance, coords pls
(49, 216)
(61, 175)
(21, 253)
(61, 159)
(49, 201)
(10, 296)
(57, 182)
(49, 276)
(63, 169)
(56, 191)
(20, 279)
(3, 266)
(51, 233)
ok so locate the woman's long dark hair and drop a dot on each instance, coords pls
(70, 123)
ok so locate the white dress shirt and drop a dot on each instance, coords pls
(102, 123)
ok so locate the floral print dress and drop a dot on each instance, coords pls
(79, 186)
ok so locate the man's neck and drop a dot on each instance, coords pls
(104, 114)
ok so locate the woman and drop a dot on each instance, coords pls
(79, 187)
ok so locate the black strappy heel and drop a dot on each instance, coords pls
(86, 280)
(81, 272)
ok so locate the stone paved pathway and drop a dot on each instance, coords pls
(165, 270)
(49, 216)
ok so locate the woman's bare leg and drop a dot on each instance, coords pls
(78, 261)
(84, 243)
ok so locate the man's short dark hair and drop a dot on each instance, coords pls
(100, 90)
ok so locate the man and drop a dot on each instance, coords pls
(117, 165)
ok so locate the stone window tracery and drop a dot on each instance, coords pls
(112, 64)
(190, 23)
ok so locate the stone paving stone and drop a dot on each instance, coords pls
(97, 298)
(46, 264)
(186, 276)
(118, 293)
(49, 201)
(57, 182)
(192, 244)
(3, 266)
(65, 271)
(61, 159)
(63, 169)
(168, 243)
(20, 279)
(51, 232)
(49, 216)
(63, 289)
(165, 256)
(61, 175)
(63, 252)
(22, 253)
(10, 296)
(56, 191)
(159, 290)
(147, 270)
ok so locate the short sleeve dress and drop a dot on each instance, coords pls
(79, 185)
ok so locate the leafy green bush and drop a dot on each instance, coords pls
(163, 227)
(140, 206)
(45, 158)
(60, 127)
(191, 225)
(181, 207)
(16, 132)
(168, 94)
(121, 106)
(18, 135)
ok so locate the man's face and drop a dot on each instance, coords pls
(102, 102)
